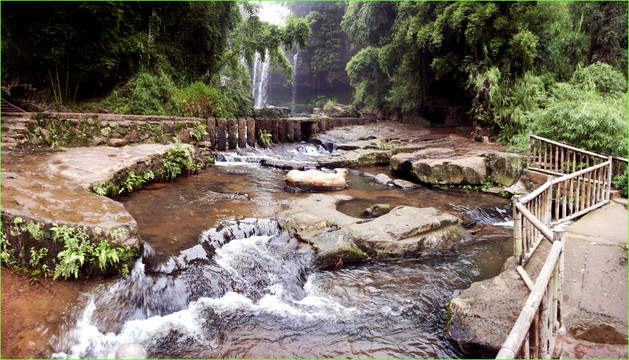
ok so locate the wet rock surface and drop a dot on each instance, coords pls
(594, 308)
(48, 188)
(425, 155)
(317, 180)
(403, 232)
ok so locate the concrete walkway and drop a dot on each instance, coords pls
(595, 285)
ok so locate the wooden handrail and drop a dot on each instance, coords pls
(565, 146)
(545, 230)
(522, 325)
(558, 200)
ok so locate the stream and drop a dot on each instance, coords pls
(219, 279)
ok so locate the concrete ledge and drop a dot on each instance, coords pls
(44, 193)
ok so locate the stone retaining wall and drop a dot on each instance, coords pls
(87, 129)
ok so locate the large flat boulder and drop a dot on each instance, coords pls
(449, 166)
(463, 170)
(408, 231)
(482, 316)
(403, 232)
(357, 158)
(403, 161)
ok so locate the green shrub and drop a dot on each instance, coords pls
(144, 94)
(588, 121)
(620, 182)
(601, 77)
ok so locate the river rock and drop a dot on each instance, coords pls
(407, 231)
(317, 180)
(482, 316)
(338, 111)
(402, 162)
(270, 111)
(377, 210)
(464, 170)
(383, 179)
(357, 158)
(403, 232)
(505, 168)
(130, 351)
(405, 185)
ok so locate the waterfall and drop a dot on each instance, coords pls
(260, 81)
(274, 13)
(292, 103)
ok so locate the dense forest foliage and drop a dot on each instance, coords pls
(558, 68)
(158, 57)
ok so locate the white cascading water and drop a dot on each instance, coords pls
(274, 13)
(260, 81)
(294, 95)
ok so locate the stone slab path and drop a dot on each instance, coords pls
(595, 284)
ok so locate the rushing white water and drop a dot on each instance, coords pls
(304, 154)
(260, 81)
(267, 281)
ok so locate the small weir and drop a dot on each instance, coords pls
(219, 279)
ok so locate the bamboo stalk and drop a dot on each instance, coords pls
(543, 330)
(564, 199)
(52, 82)
(534, 221)
(517, 231)
(545, 155)
(525, 277)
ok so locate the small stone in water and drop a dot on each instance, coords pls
(130, 351)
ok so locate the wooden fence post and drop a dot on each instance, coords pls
(609, 178)
(282, 130)
(290, 130)
(528, 151)
(211, 132)
(559, 235)
(232, 132)
(517, 232)
(297, 127)
(275, 131)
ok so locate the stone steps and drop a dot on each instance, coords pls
(8, 108)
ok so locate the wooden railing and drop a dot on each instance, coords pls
(554, 158)
(584, 185)
(535, 331)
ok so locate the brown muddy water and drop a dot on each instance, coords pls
(219, 279)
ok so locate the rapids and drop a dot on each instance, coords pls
(220, 279)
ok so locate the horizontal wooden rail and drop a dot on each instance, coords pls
(554, 158)
(531, 310)
(565, 146)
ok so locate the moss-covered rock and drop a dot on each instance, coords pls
(505, 168)
(459, 171)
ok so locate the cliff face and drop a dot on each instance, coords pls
(335, 85)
